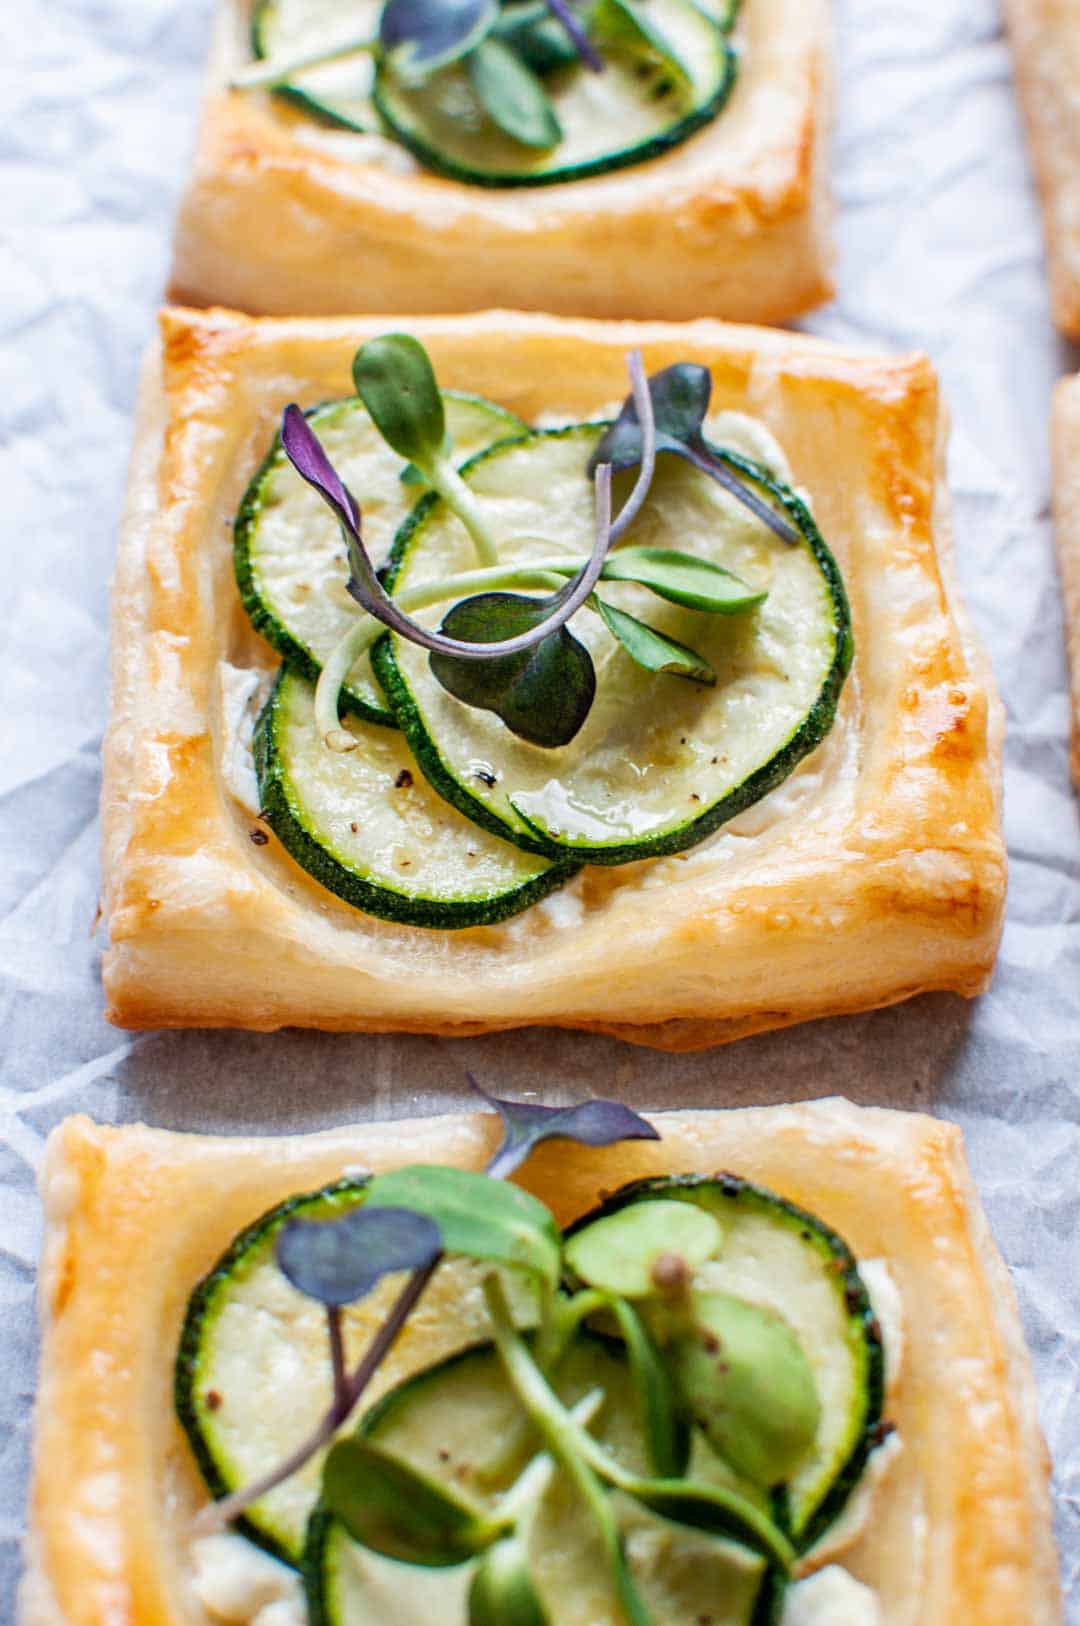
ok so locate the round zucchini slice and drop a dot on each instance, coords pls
(660, 762)
(440, 1423)
(367, 826)
(252, 1375)
(633, 111)
(783, 1258)
(288, 554)
(337, 93)
(251, 1372)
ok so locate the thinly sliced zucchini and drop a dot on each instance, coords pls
(288, 555)
(337, 92)
(441, 1423)
(253, 1375)
(366, 824)
(777, 1255)
(631, 112)
(660, 762)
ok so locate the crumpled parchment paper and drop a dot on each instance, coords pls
(940, 249)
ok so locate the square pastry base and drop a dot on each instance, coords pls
(876, 871)
(960, 1530)
(284, 216)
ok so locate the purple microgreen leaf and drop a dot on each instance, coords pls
(526, 1124)
(654, 650)
(422, 35)
(305, 452)
(339, 1261)
(680, 400)
(312, 464)
(576, 30)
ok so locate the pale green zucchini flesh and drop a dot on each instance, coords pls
(660, 762)
(777, 1255)
(367, 826)
(337, 92)
(252, 1374)
(441, 1423)
(288, 554)
(629, 113)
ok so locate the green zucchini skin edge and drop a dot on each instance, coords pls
(302, 99)
(807, 737)
(623, 158)
(841, 1261)
(200, 1312)
(320, 863)
(263, 620)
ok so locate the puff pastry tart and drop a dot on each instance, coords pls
(688, 819)
(686, 178)
(1066, 450)
(1046, 48)
(797, 1392)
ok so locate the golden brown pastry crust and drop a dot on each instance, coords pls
(282, 217)
(1045, 38)
(1065, 436)
(875, 873)
(961, 1528)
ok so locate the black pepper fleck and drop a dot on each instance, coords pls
(403, 780)
(259, 837)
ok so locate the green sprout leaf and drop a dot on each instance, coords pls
(396, 382)
(502, 1592)
(339, 1261)
(477, 1216)
(623, 24)
(682, 578)
(542, 694)
(717, 1509)
(393, 1509)
(743, 1374)
(639, 1250)
(420, 36)
(538, 38)
(680, 399)
(654, 650)
(526, 1124)
(512, 96)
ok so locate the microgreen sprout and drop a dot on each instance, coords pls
(680, 401)
(411, 1217)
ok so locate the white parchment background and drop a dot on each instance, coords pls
(940, 249)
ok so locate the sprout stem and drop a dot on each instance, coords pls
(266, 73)
(461, 501)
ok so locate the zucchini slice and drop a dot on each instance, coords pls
(631, 112)
(337, 93)
(777, 1255)
(252, 1373)
(366, 825)
(660, 762)
(437, 1422)
(288, 555)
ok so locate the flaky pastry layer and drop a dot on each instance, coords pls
(875, 872)
(961, 1527)
(284, 217)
